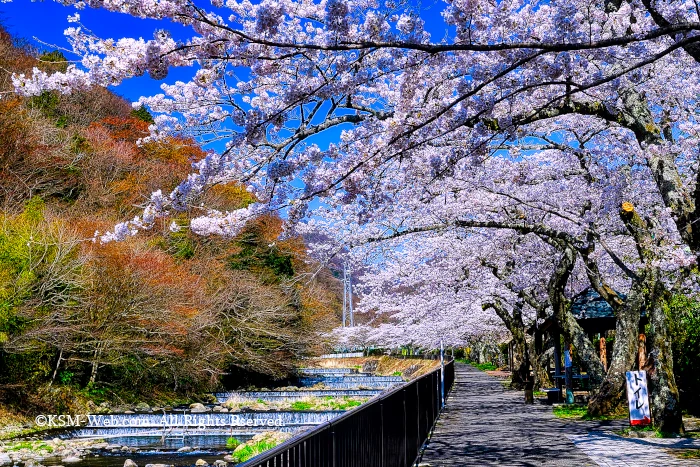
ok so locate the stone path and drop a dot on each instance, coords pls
(485, 425)
(609, 450)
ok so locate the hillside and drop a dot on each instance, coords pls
(166, 314)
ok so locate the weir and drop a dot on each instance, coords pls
(328, 371)
(283, 396)
(261, 419)
(352, 381)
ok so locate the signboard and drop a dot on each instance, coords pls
(638, 398)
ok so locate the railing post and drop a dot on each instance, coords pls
(381, 422)
(405, 431)
(333, 450)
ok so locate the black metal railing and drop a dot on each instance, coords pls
(387, 431)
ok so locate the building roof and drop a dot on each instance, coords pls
(589, 305)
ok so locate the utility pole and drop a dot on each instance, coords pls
(442, 374)
(347, 296)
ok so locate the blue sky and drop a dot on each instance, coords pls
(43, 23)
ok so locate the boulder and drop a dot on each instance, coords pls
(5, 459)
(217, 408)
(229, 458)
(142, 407)
(71, 460)
(130, 463)
(370, 366)
(220, 463)
(159, 465)
(201, 463)
(185, 449)
(198, 408)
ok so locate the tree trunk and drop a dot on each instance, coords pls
(624, 355)
(95, 366)
(571, 330)
(521, 368)
(521, 360)
(538, 363)
(58, 365)
(665, 408)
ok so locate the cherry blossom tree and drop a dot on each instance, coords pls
(414, 119)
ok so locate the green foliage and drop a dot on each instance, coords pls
(142, 113)
(34, 210)
(580, 412)
(179, 244)
(687, 453)
(66, 377)
(48, 104)
(54, 61)
(78, 144)
(396, 373)
(232, 443)
(253, 255)
(570, 411)
(488, 366)
(684, 331)
(301, 405)
(250, 451)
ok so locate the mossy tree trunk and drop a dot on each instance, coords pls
(664, 396)
(611, 392)
(561, 307)
(521, 351)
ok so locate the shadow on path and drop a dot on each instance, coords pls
(485, 425)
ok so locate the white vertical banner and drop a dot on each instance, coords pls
(638, 398)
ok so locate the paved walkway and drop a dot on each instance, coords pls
(485, 425)
(608, 450)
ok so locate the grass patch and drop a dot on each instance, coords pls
(232, 443)
(686, 453)
(343, 404)
(570, 411)
(580, 412)
(481, 366)
(252, 450)
(301, 405)
(396, 373)
(33, 446)
(539, 393)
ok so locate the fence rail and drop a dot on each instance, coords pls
(387, 431)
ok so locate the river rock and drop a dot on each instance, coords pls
(198, 408)
(5, 459)
(370, 366)
(217, 408)
(201, 463)
(220, 463)
(142, 407)
(71, 460)
(130, 463)
(159, 465)
(185, 449)
(229, 458)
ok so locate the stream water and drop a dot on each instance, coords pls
(155, 438)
